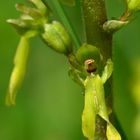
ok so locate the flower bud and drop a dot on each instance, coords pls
(57, 38)
(87, 51)
(89, 56)
(112, 26)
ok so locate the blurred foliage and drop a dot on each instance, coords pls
(49, 104)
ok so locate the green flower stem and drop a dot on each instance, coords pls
(94, 17)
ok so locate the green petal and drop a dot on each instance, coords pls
(107, 71)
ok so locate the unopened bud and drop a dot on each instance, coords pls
(89, 56)
(112, 26)
(57, 38)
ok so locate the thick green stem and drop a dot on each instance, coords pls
(94, 16)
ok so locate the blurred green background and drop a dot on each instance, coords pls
(49, 103)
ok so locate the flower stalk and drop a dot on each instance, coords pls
(94, 17)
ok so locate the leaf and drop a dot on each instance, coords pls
(68, 2)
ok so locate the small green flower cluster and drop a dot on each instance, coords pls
(86, 63)
(36, 20)
(32, 22)
(90, 58)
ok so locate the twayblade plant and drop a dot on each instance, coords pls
(90, 61)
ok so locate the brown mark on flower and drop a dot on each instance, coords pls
(90, 65)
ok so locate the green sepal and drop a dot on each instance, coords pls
(19, 69)
(68, 2)
(23, 26)
(76, 76)
(42, 6)
(112, 26)
(33, 12)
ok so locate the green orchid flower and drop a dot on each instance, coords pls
(95, 104)
(18, 73)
